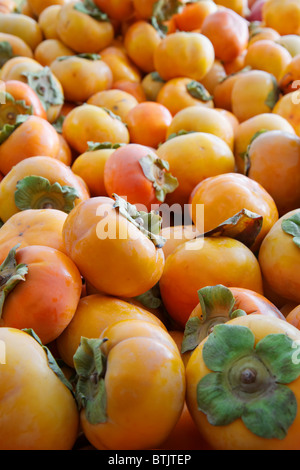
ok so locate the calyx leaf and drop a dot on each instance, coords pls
(44, 84)
(88, 7)
(93, 146)
(291, 226)
(157, 171)
(198, 91)
(6, 52)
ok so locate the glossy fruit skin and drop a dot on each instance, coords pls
(117, 101)
(81, 32)
(38, 6)
(23, 27)
(21, 91)
(175, 97)
(175, 56)
(184, 275)
(48, 21)
(192, 158)
(94, 313)
(288, 108)
(126, 275)
(193, 15)
(47, 311)
(278, 176)
(46, 167)
(293, 317)
(116, 9)
(236, 435)
(224, 196)
(120, 64)
(140, 41)
(19, 46)
(49, 50)
(216, 74)
(176, 235)
(33, 227)
(34, 137)
(140, 357)
(268, 56)
(279, 258)
(90, 123)
(148, 124)
(50, 405)
(228, 33)
(81, 78)
(282, 16)
(15, 68)
(134, 88)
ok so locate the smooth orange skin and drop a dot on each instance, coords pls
(231, 118)
(90, 123)
(247, 129)
(21, 91)
(38, 6)
(116, 9)
(144, 8)
(264, 33)
(23, 27)
(287, 82)
(228, 33)
(268, 56)
(33, 227)
(214, 76)
(279, 176)
(81, 32)
(47, 311)
(32, 138)
(288, 108)
(19, 47)
(117, 101)
(223, 92)
(148, 124)
(120, 64)
(152, 86)
(235, 65)
(65, 153)
(14, 68)
(279, 259)
(140, 41)
(90, 166)
(287, 308)
(48, 21)
(239, 6)
(34, 398)
(143, 366)
(194, 118)
(224, 196)
(226, 262)
(49, 50)
(46, 167)
(175, 97)
(193, 15)
(294, 317)
(192, 158)
(123, 175)
(284, 17)
(236, 436)
(177, 235)
(81, 78)
(131, 268)
(184, 54)
(95, 313)
(250, 93)
(133, 88)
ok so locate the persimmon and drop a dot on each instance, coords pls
(7, 6)
(231, 118)
(279, 256)
(247, 130)
(198, 119)
(263, 33)
(136, 172)
(154, 357)
(180, 93)
(228, 33)
(214, 76)
(141, 40)
(152, 83)
(259, 351)
(64, 154)
(193, 15)
(236, 65)
(48, 21)
(49, 50)
(118, 101)
(287, 308)
(83, 27)
(12, 46)
(15, 68)
(176, 235)
(284, 17)
(289, 79)
(56, 427)
(81, 76)
(38, 6)
(148, 124)
(95, 313)
(288, 108)
(120, 64)
(193, 157)
(294, 317)
(223, 91)
(133, 88)
(291, 42)
(116, 9)
(238, 6)
(279, 176)
(225, 195)
(184, 275)
(89, 123)
(100, 231)
(40, 183)
(33, 227)
(23, 27)
(269, 56)
(184, 54)
(144, 8)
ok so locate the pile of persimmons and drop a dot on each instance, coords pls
(150, 225)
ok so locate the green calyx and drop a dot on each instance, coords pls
(88, 7)
(93, 146)
(273, 95)
(86, 56)
(45, 86)
(217, 306)
(8, 129)
(198, 91)
(156, 77)
(248, 381)
(90, 366)
(36, 192)
(11, 274)
(291, 226)
(6, 52)
(245, 155)
(149, 223)
(58, 124)
(151, 298)
(180, 133)
(113, 115)
(157, 171)
(51, 361)
(163, 10)
(11, 109)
